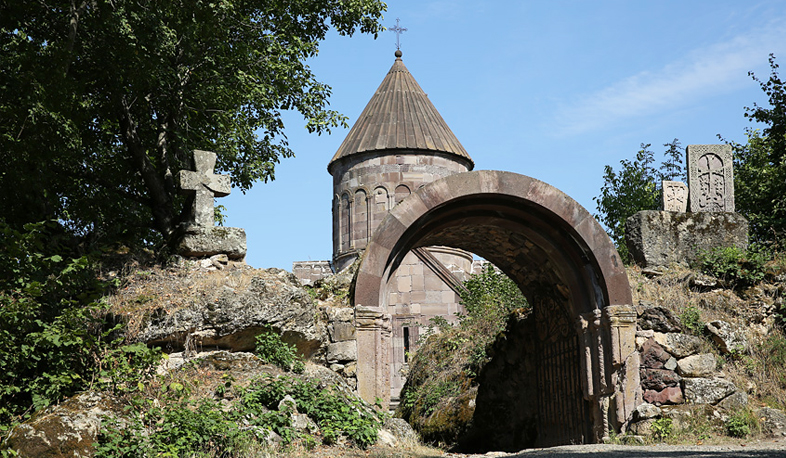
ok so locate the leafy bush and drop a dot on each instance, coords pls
(272, 350)
(735, 266)
(179, 428)
(335, 414)
(661, 428)
(740, 424)
(690, 319)
(636, 187)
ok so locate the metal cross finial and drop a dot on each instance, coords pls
(399, 30)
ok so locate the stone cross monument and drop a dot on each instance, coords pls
(675, 196)
(710, 178)
(201, 237)
(206, 185)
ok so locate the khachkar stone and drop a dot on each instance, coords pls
(710, 178)
(202, 238)
(675, 196)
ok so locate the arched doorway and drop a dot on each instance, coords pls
(563, 262)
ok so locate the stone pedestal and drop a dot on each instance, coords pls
(203, 242)
(658, 238)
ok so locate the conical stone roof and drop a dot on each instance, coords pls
(400, 116)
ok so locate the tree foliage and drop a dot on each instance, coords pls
(637, 186)
(760, 164)
(103, 102)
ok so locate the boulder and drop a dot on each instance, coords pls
(658, 379)
(702, 365)
(659, 319)
(772, 421)
(642, 427)
(679, 345)
(670, 395)
(726, 337)
(707, 390)
(401, 430)
(66, 430)
(232, 318)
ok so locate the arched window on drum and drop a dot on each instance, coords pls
(402, 192)
(360, 219)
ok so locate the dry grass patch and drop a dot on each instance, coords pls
(154, 290)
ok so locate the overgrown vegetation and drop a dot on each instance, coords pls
(177, 423)
(272, 350)
(54, 336)
(636, 187)
(736, 267)
(441, 383)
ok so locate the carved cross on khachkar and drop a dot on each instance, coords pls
(710, 178)
(398, 30)
(201, 237)
(206, 185)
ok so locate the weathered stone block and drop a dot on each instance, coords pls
(645, 411)
(772, 421)
(342, 351)
(659, 319)
(697, 365)
(208, 241)
(679, 345)
(734, 402)
(659, 379)
(660, 238)
(653, 356)
(341, 331)
(670, 395)
(727, 338)
(707, 390)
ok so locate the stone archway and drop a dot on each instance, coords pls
(563, 262)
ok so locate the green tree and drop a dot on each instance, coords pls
(760, 164)
(488, 299)
(636, 187)
(103, 102)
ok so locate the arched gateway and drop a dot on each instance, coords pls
(580, 373)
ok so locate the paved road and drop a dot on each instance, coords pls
(752, 450)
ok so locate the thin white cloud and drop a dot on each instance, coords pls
(704, 73)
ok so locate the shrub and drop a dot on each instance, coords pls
(54, 337)
(272, 350)
(691, 320)
(740, 424)
(661, 428)
(735, 266)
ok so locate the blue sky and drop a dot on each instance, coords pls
(554, 90)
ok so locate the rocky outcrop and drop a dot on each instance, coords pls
(230, 318)
(67, 430)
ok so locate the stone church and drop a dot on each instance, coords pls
(398, 144)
